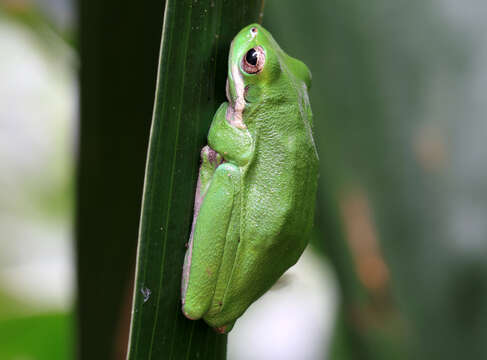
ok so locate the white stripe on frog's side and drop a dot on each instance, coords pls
(235, 110)
(236, 106)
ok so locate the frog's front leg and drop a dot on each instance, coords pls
(213, 242)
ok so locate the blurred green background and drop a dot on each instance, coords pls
(398, 265)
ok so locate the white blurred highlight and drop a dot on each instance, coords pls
(292, 321)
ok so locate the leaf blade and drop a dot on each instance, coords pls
(192, 70)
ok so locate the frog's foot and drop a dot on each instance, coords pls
(225, 329)
(210, 157)
(210, 160)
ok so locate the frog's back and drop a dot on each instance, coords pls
(279, 189)
(278, 199)
(281, 179)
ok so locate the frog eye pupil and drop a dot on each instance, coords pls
(251, 57)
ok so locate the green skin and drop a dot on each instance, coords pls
(255, 199)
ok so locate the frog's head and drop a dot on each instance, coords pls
(259, 68)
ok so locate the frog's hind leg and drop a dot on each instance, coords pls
(214, 223)
(210, 160)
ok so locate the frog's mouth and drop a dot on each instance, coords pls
(236, 103)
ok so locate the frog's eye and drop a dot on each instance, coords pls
(254, 60)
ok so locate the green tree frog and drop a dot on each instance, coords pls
(255, 196)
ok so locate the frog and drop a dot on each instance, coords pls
(256, 189)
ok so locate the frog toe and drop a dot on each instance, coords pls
(225, 329)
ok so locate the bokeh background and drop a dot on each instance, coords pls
(398, 263)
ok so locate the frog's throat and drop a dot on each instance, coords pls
(236, 106)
